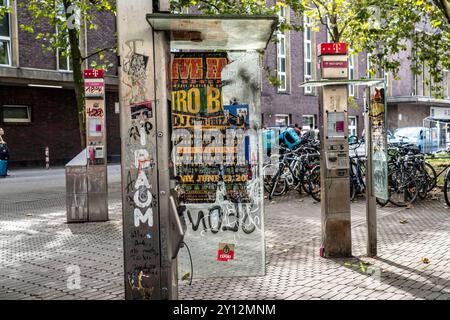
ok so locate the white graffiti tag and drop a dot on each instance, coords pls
(143, 199)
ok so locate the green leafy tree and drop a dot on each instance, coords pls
(57, 24)
(384, 28)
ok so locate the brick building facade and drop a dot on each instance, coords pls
(37, 99)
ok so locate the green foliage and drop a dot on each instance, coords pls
(395, 35)
(53, 20)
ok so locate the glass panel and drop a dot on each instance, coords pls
(4, 26)
(282, 46)
(308, 51)
(308, 34)
(4, 52)
(308, 68)
(15, 113)
(65, 62)
(308, 121)
(282, 79)
(62, 62)
(379, 143)
(282, 65)
(218, 159)
(281, 120)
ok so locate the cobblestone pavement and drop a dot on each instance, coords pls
(39, 252)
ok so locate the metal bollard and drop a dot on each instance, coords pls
(47, 158)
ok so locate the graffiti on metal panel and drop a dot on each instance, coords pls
(141, 281)
(140, 159)
(135, 75)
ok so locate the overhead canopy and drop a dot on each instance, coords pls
(362, 82)
(215, 32)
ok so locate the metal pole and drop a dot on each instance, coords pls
(169, 275)
(140, 192)
(371, 207)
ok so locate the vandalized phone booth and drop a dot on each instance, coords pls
(87, 173)
(335, 164)
(191, 153)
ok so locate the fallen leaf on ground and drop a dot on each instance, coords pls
(186, 276)
(425, 260)
(29, 215)
(403, 221)
(409, 206)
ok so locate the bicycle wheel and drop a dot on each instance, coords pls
(423, 180)
(382, 202)
(447, 188)
(432, 177)
(352, 189)
(270, 175)
(403, 188)
(314, 184)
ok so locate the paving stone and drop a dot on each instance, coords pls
(37, 250)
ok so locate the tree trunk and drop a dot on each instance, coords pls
(77, 61)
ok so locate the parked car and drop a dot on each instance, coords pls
(419, 136)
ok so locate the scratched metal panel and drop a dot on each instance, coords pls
(76, 181)
(142, 261)
(97, 181)
(77, 208)
(98, 207)
(224, 222)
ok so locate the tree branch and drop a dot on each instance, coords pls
(97, 52)
(444, 6)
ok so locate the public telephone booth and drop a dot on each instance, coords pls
(191, 146)
(336, 241)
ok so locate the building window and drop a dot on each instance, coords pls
(16, 114)
(369, 66)
(308, 52)
(352, 126)
(446, 84)
(282, 120)
(5, 36)
(281, 53)
(63, 58)
(351, 74)
(308, 123)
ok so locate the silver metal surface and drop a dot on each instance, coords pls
(97, 179)
(77, 208)
(98, 207)
(371, 206)
(79, 160)
(215, 32)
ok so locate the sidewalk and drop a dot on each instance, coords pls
(39, 253)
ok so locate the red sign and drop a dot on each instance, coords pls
(94, 73)
(332, 48)
(334, 64)
(226, 252)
